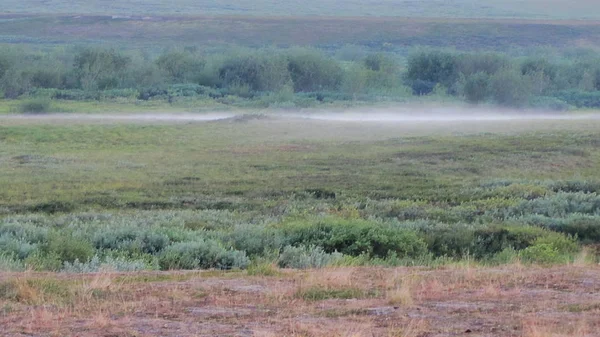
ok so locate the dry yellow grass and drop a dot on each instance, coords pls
(408, 302)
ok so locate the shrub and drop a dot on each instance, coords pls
(542, 254)
(258, 71)
(203, 254)
(16, 247)
(510, 88)
(111, 264)
(254, 239)
(68, 248)
(356, 237)
(451, 242)
(506, 256)
(131, 239)
(312, 71)
(180, 67)
(559, 205)
(432, 67)
(580, 99)
(36, 106)
(476, 87)
(563, 244)
(43, 261)
(486, 63)
(492, 240)
(9, 263)
(306, 257)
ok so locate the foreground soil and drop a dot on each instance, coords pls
(451, 301)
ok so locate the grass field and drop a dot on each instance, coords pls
(231, 210)
(553, 9)
(474, 207)
(253, 160)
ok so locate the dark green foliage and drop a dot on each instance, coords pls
(476, 87)
(428, 68)
(132, 240)
(584, 227)
(487, 63)
(300, 77)
(356, 237)
(99, 68)
(68, 248)
(452, 242)
(312, 71)
(52, 207)
(257, 71)
(47, 78)
(255, 240)
(36, 106)
(580, 99)
(203, 254)
(181, 67)
(510, 88)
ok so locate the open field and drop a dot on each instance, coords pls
(269, 157)
(409, 302)
(467, 223)
(152, 193)
(548, 9)
(377, 33)
(283, 168)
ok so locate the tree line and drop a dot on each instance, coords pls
(79, 74)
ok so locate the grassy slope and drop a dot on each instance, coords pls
(376, 33)
(98, 165)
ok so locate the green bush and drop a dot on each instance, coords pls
(492, 240)
(205, 254)
(312, 71)
(306, 257)
(36, 106)
(542, 254)
(432, 67)
(181, 66)
(254, 240)
(259, 71)
(9, 263)
(486, 63)
(580, 99)
(356, 237)
(68, 248)
(510, 88)
(111, 264)
(450, 242)
(476, 87)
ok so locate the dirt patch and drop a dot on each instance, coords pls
(473, 301)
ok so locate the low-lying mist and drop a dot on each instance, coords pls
(387, 115)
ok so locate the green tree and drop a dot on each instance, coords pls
(258, 71)
(180, 67)
(100, 68)
(312, 71)
(428, 68)
(476, 87)
(510, 88)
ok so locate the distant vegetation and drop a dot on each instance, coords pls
(298, 77)
(549, 9)
(235, 194)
